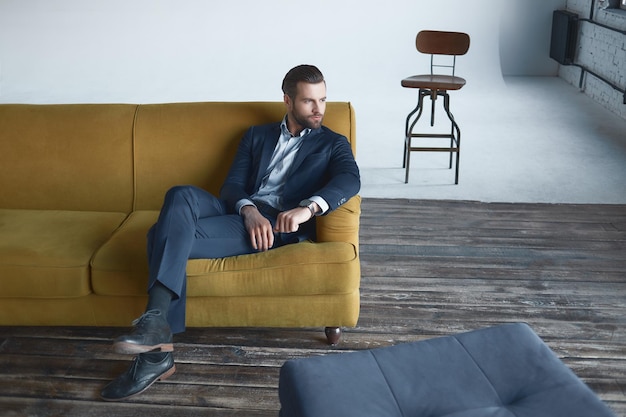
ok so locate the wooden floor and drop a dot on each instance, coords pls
(429, 268)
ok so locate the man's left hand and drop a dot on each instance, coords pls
(289, 221)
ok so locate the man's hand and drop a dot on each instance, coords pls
(258, 227)
(289, 221)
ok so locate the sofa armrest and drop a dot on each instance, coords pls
(342, 225)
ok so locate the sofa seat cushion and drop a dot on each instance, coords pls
(46, 253)
(120, 267)
(305, 268)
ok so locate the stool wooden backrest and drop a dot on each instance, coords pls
(442, 43)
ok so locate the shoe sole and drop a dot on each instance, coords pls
(161, 377)
(135, 349)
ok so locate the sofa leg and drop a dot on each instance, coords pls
(333, 334)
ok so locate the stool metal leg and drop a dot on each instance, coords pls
(407, 138)
(454, 136)
(454, 139)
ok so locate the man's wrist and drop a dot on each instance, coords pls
(313, 207)
(321, 204)
(245, 209)
(243, 203)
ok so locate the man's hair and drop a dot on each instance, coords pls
(301, 73)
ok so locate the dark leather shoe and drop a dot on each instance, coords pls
(151, 333)
(138, 378)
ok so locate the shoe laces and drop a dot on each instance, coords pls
(134, 367)
(147, 315)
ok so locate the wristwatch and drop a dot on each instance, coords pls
(310, 205)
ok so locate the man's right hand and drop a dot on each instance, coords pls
(258, 227)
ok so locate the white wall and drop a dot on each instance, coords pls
(526, 29)
(145, 51)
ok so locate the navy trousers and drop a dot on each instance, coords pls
(194, 224)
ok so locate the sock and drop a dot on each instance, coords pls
(159, 298)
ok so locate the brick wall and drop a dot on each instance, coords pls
(602, 51)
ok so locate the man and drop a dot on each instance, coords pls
(284, 175)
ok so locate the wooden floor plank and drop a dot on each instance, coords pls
(429, 269)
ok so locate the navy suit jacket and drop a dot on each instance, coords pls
(324, 166)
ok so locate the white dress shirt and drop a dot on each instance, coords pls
(270, 191)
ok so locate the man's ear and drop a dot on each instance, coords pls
(287, 100)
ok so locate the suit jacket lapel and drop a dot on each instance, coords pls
(308, 144)
(270, 140)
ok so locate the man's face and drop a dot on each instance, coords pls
(307, 109)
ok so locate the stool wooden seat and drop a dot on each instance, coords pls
(435, 82)
(435, 43)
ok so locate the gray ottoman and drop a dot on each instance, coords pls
(499, 371)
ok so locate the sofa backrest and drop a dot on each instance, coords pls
(195, 143)
(120, 157)
(66, 157)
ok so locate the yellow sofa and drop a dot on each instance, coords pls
(82, 183)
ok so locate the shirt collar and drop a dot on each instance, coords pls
(285, 130)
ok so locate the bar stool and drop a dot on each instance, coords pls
(443, 48)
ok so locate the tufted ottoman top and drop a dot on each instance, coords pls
(499, 371)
